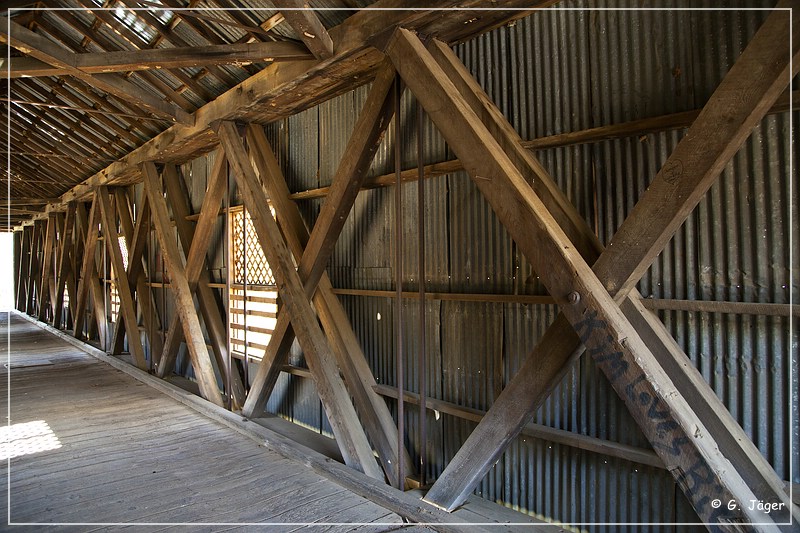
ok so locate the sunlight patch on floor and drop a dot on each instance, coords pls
(27, 438)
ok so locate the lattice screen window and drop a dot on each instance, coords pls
(113, 293)
(253, 300)
(248, 257)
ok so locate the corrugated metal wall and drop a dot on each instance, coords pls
(561, 71)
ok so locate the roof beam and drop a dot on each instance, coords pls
(44, 50)
(161, 58)
(307, 25)
(289, 88)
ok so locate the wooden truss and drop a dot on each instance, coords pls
(65, 278)
(349, 433)
(135, 238)
(179, 283)
(89, 280)
(695, 436)
(196, 240)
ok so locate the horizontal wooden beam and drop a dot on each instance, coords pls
(633, 128)
(663, 304)
(559, 436)
(160, 58)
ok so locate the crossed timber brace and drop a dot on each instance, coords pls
(136, 238)
(685, 443)
(46, 292)
(33, 267)
(349, 434)
(312, 251)
(179, 283)
(23, 263)
(65, 278)
(196, 241)
(127, 308)
(89, 280)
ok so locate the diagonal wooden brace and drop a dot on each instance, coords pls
(663, 414)
(352, 170)
(136, 238)
(184, 303)
(46, 284)
(377, 419)
(63, 264)
(335, 399)
(33, 266)
(197, 238)
(127, 308)
(545, 366)
(24, 267)
(88, 264)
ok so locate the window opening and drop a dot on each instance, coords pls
(113, 292)
(253, 297)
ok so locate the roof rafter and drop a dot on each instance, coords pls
(167, 58)
(281, 90)
(91, 34)
(308, 26)
(41, 48)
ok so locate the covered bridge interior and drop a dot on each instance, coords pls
(530, 262)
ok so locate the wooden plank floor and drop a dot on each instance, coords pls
(91, 445)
